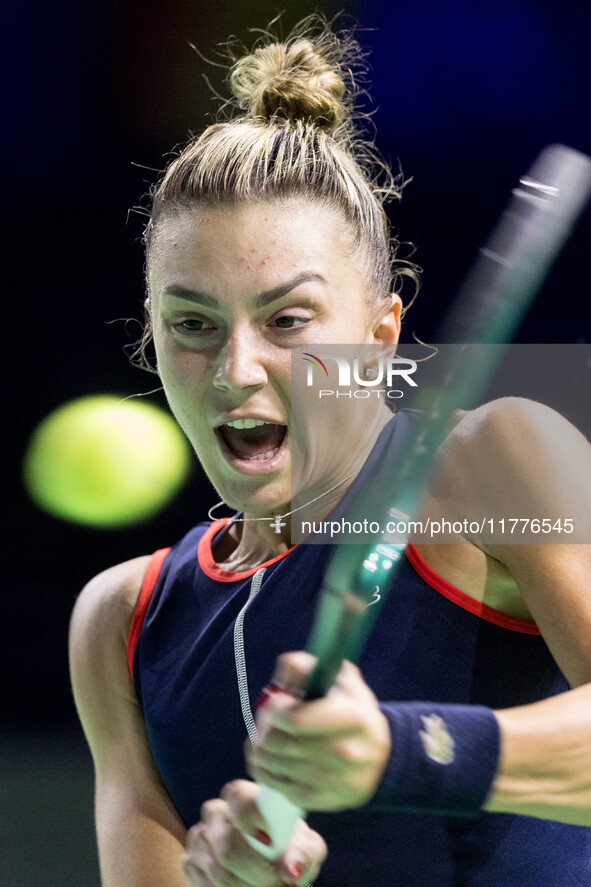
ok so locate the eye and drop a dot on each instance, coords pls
(193, 325)
(289, 321)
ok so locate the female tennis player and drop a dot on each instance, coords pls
(458, 753)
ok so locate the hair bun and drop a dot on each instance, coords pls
(290, 82)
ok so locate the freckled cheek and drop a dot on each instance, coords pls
(184, 379)
(183, 372)
(178, 367)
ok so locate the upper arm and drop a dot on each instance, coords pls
(521, 459)
(140, 835)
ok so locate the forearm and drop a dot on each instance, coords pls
(545, 759)
(147, 860)
(136, 847)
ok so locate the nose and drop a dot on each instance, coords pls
(240, 364)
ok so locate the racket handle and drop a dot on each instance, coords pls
(281, 816)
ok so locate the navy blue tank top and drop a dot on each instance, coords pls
(430, 643)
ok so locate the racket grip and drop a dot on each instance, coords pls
(281, 816)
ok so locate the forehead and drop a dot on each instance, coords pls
(254, 243)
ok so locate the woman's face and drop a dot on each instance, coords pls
(232, 289)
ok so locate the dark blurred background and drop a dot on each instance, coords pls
(96, 96)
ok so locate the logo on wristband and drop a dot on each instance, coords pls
(438, 744)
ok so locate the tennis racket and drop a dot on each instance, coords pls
(489, 307)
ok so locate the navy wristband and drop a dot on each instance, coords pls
(444, 758)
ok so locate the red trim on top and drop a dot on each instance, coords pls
(152, 573)
(464, 600)
(208, 564)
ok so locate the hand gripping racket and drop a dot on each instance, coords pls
(489, 307)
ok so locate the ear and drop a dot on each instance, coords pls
(386, 330)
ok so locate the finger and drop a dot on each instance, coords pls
(240, 795)
(282, 709)
(213, 810)
(303, 860)
(195, 836)
(303, 770)
(199, 864)
(305, 796)
(292, 671)
(295, 742)
(331, 715)
(272, 700)
(325, 798)
(192, 874)
(214, 874)
(215, 845)
(218, 841)
(221, 846)
(217, 854)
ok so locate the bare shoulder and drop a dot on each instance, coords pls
(104, 610)
(514, 445)
(512, 421)
(99, 628)
(516, 477)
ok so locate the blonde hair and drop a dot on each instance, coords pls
(294, 131)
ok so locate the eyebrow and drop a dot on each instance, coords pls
(260, 301)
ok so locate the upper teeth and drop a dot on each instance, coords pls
(247, 423)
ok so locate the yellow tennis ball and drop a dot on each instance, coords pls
(105, 462)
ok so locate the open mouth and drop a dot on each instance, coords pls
(253, 440)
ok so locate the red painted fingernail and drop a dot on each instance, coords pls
(262, 837)
(294, 869)
(267, 694)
